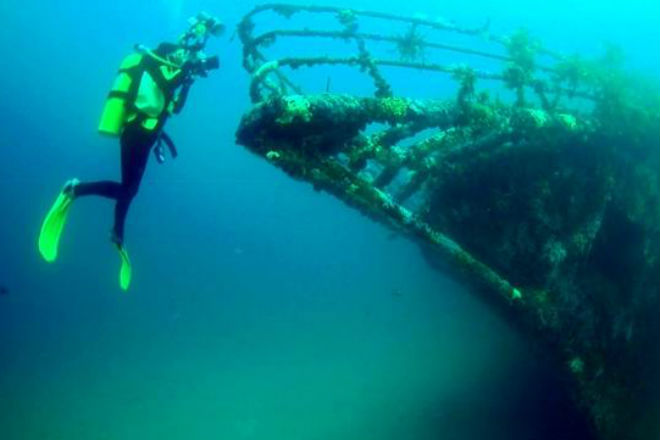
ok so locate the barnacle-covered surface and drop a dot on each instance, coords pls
(547, 202)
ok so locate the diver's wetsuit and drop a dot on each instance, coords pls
(136, 143)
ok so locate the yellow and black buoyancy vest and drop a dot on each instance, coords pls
(142, 92)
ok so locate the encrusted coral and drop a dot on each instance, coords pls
(576, 365)
(295, 108)
(411, 45)
(530, 118)
(273, 155)
(393, 109)
(567, 121)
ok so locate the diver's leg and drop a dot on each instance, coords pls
(135, 146)
(103, 188)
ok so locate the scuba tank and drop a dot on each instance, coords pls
(117, 102)
(141, 87)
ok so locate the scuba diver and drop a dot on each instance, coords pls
(150, 86)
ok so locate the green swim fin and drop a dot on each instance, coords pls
(51, 228)
(125, 270)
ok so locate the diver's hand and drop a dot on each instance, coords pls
(181, 97)
(187, 68)
(188, 81)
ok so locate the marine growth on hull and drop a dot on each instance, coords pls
(528, 174)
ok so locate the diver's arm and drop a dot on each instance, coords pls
(181, 97)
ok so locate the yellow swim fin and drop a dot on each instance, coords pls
(51, 228)
(125, 270)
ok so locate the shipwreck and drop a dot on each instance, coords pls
(529, 175)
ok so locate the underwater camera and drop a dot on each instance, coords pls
(201, 66)
(194, 40)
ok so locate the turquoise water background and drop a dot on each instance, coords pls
(259, 309)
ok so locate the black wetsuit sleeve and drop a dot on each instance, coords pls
(182, 96)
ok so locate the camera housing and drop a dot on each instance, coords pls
(201, 66)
